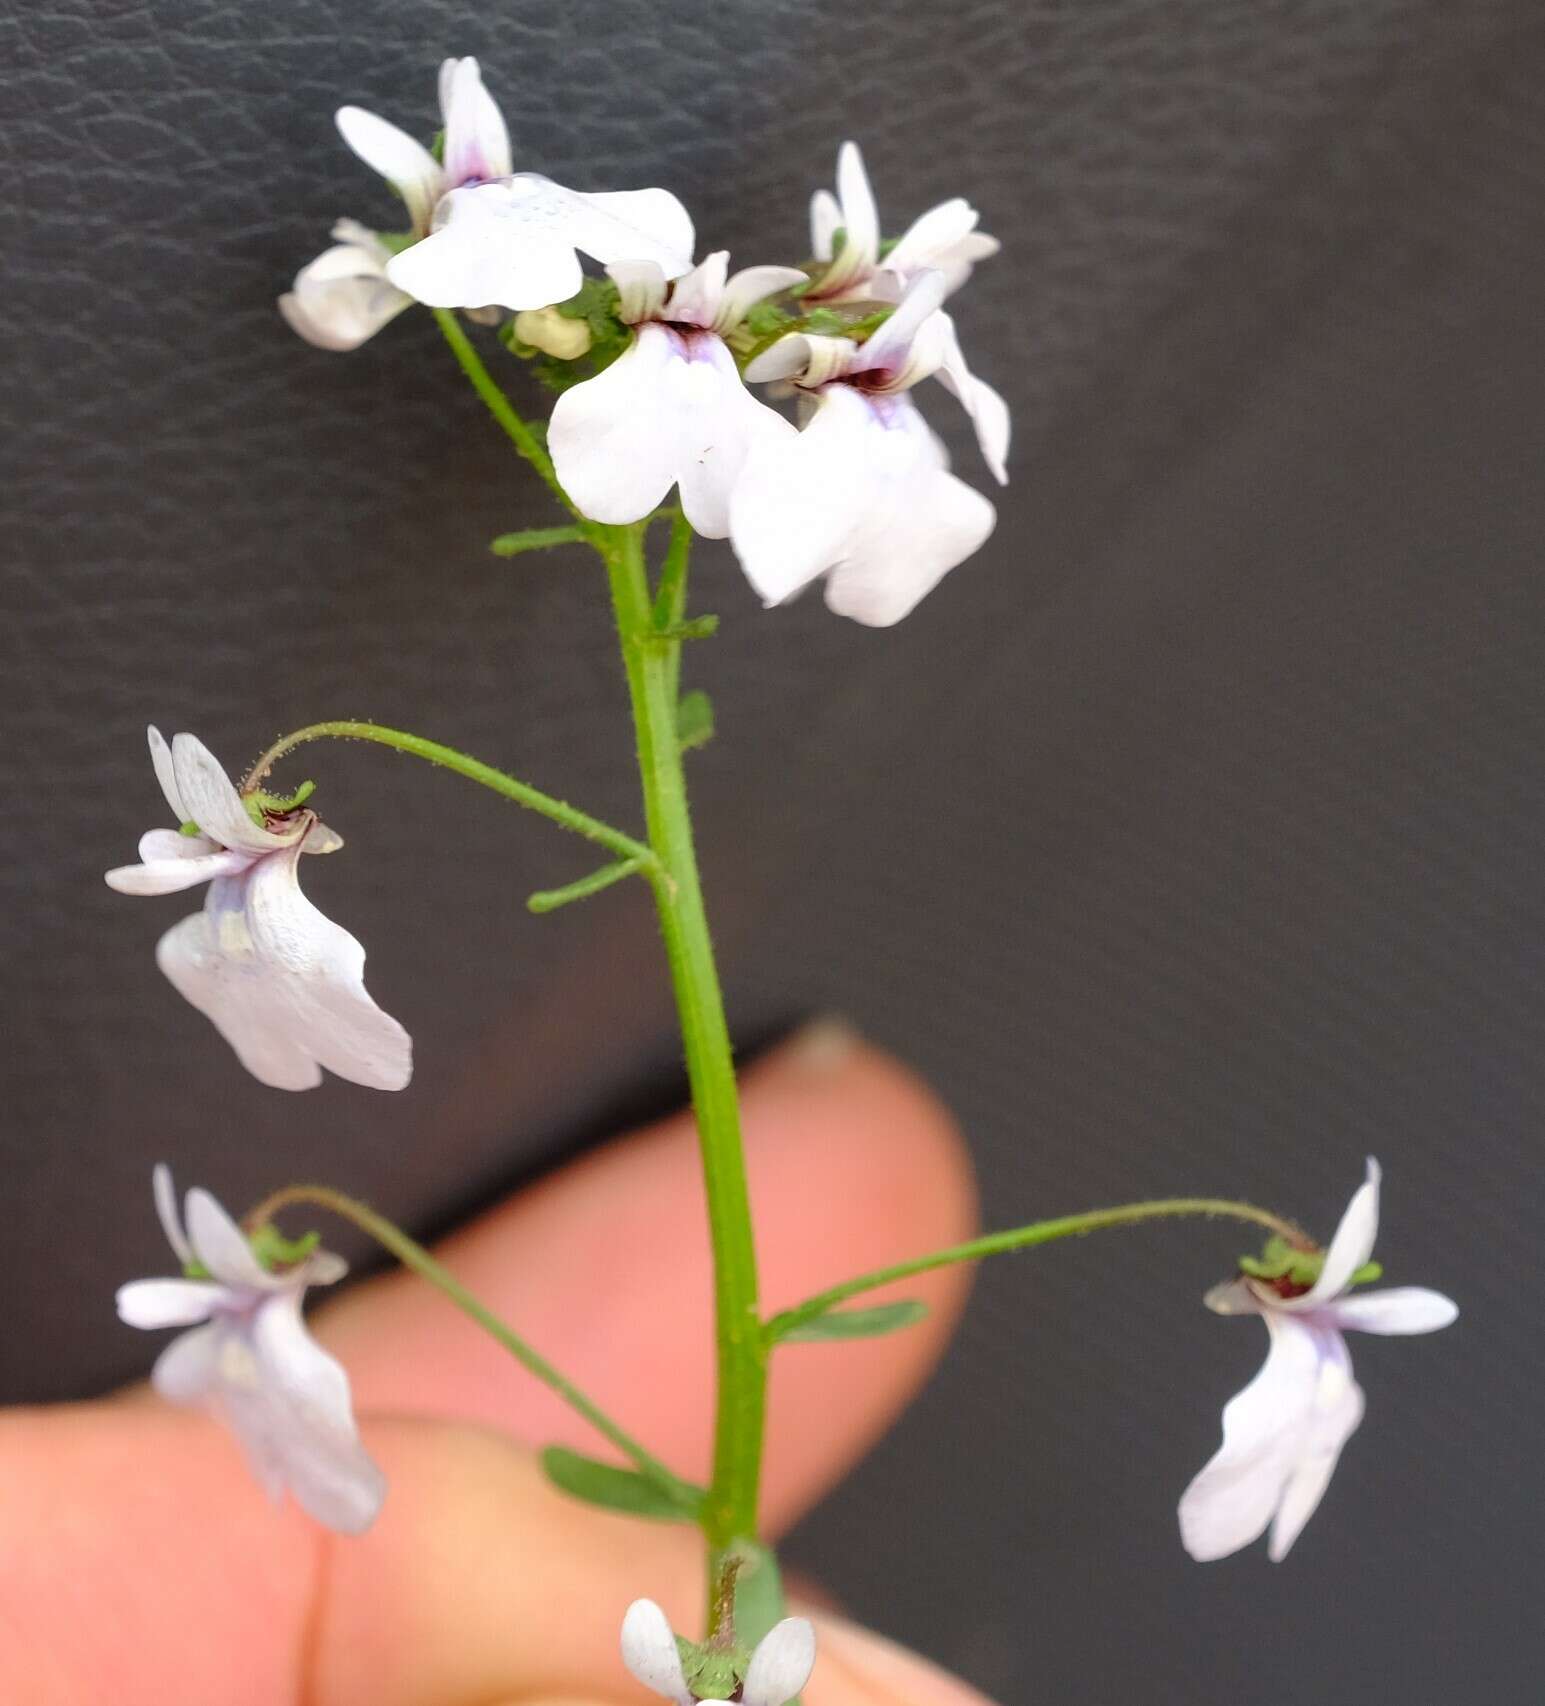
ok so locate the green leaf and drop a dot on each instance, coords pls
(276, 1252)
(618, 1489)
(694, 719)
(535, 539)
(856, 1323)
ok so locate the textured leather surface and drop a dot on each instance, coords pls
(1189, 838)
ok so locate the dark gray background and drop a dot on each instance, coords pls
(1188, 838)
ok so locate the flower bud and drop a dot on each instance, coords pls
(553, 333)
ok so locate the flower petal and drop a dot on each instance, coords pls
(640, 225)
(1338, 1408)
(283, 984)
(781, 1664)
(860, 226)
(718, 423)
(746, 288)
(155, 1303)
(1350, 1248)
(825, 223)
(858, 493)
(343, 297)
(988, 413)
(490, 246)
(890, 348)
(640, 290)
(161, 758)
(406, 165)
(649, 1651)
(185, 1371)
(1401, 1309)
(165, 1195)
(477, 143)
(696, 295)
(1232, 1499)
(215, 806)
(169, 875)
(615, 438)
(220, 1245)
(299, 1421)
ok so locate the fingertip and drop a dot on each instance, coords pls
(856, 1667)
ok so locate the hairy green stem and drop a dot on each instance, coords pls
(567, 816)
(415, 1256)
(1026, 1237)
(730, 1510)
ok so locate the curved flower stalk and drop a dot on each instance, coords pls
(862, 495)
(250, 1358)
(282, 984)
(672, 409)
(1283, 1434)
(777, 1670)
(945, 239)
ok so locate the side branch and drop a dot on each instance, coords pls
(413, 1255)
(566, 816)
(1026, 1237)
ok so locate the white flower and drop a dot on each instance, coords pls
(251, 1359)
(862, 494)
(779, 1667)
(671, 410)
(344, 297)
(513, 242)
(1283, 1434)
(282, 984)
(944, 239)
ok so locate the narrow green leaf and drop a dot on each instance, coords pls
(549, 900)
(694, 719)
(619, 1489)
(535, 539)
(857, 1323)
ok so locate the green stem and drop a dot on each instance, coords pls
(549, 900)
(500, 407)
(416, 1257)
(1024, 1238)
(730, 1510)
(581, 823)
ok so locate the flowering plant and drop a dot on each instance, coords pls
(669, 374)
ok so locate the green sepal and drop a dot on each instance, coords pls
(437, 147)
(276, 1252)
(279, 804)
(1281, 1260)
(1367, 1274)
(694, 720)
(195, 1270)
(596, 303)
(394, 242)
(711, 1674)
(764, 319)
(190, 828)
(825, 322)
(856, 1323)
(615, 1489)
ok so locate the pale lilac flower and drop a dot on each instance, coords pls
(282, 984)
(1283, 1434)
(779, 1667)
(671, 410)
(863, 494)
(250, 1358)
(945, 239)
(344, 297)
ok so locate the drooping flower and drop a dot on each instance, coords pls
(282, 984)
(1283, 1434)
(671, 410)
(778, 1669)
(863, 494)
(945, 239)
(249, 1357)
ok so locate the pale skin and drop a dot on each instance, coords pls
(140, 1565)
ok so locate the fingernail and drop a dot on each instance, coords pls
(822, 1045)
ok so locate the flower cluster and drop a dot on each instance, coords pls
(859, 494)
